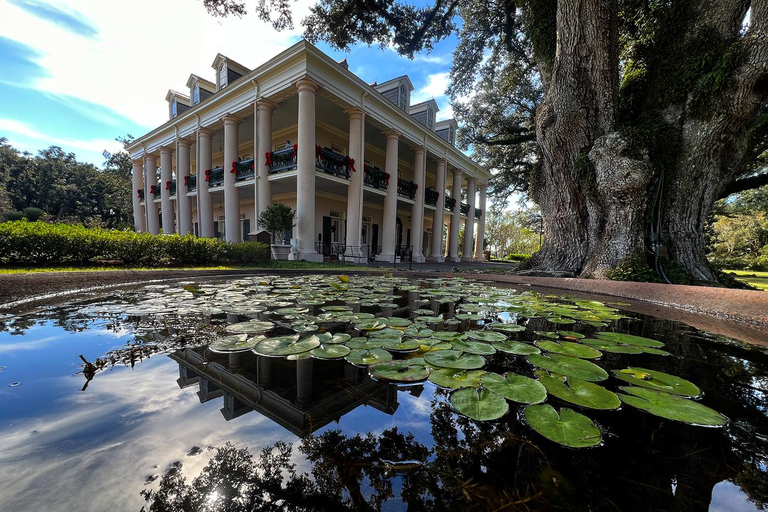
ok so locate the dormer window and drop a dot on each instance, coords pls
(402, 96)
(196, 94)
(174, 109)
(451, 135)
(430, 118)
(222, 76)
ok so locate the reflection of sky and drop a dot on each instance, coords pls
(727, 497)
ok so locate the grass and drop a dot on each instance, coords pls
(756, 279)
(267, 265)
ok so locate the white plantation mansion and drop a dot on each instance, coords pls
(366, 171)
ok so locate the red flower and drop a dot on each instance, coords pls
(295, 150)
(207, 175)
(234, 167)
(318, 151)
(268, 156)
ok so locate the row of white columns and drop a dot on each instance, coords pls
(305, 189)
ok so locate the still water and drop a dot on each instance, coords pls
(162, 422)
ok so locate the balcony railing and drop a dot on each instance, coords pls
(140, 193)
(191, 182)
(155, 191)
(375, 177)
(281, 160)
(171, 186)
(244, 170)
(406, 188)
(449, 203)
(215, 176)
(464, 208)
(430, 196)
(478, 213)
(334, 163)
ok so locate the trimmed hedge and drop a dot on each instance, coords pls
(41, 243)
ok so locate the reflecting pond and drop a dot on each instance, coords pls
(373, 393)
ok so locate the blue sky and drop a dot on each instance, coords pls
(77, 74)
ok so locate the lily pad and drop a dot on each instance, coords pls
(448, 335)
(515, 347)
(629, 339)
(364, 343)
(417, 332)
(372, 324)
(330, 352)
(251, 327)
(474, 347)
(672, 407)
(430, 319)
(479, 404)
(569, 348)
(507, 327)
(487, 336)
(399, 371)
(363, 357)
(570, 366)
(612, 347)
(397, 345)
(234, 343)
(455, 379)
(658, 380)
(571, 334)
(396, 321)
(327, 338)
(515, 387)
(578, 392)
(285, 345)
(569, 428)
(547, 334)
(454, 359)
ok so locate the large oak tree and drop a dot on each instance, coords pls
(625, 120)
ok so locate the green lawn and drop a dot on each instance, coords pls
(756, 279)
(267, 265)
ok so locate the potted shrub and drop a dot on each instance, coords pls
(277, 219)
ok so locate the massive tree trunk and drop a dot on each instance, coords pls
(596, 182)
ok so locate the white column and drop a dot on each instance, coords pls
(204, 199)
(305, 173)
(139, 220)
(417, 211)
(166, 175)
(231, 194)
(355, 190)
(389, 228)
(150, 181)
(183, 205)
(453, 248)
(469, 222)
(263, 191)
(481, 225)
(438, 218)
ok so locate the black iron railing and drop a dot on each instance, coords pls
(191, 182)
(140, 193)
(449, 203)
(282, 159)
(430, 196)
(155, 191)
(406, 188)
(215, 176)
(375, 177)
(464, 208)
(334, 163)
(171, 185)
(244, 170)
(478, 213)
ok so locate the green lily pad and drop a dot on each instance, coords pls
(637, 341)
(515, 387)
(469, 316)
(578, 392)
(672, 407)
(397, 345)
(487, 336)
(387, 333)
(330, 352)
(454, 359)
(515, 347)
(417, 332)
(327, 338)
(569, 348)
(658, 380)
(474, 347)
(547, 334)
(571, 334)
(251, 327)
(363, 357)
(448, 335)
(610, 346)
(430, 319)
(455, 379)
(479, 404)
(399, 371)
(234, 343)
(569, 428)
(570, 366)
(364, 343)
(560, 320)
(285, 345)
(372, 324)
(305, 327)
(507, 327)
(396, 321)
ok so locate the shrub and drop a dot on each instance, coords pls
(633, 268)
(277, 219)
(33, 214)
(12, 215)
(518, 257)
(245, 252)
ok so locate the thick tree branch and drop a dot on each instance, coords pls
(745, 184)
(508, 141)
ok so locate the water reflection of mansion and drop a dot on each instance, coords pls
(302, 396)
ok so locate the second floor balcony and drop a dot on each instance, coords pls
(244, 170)
(431, 196)
(449, 203)
(215, 176)
(406, 188)
(464, 208)
(334, 163)
(171, 187)
(140, 193)
(155, 191)
(375, 177)
(281, 160)
(478, 213)
(191, 182)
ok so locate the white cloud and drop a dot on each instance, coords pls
(142, 49)
(97, 145)
(436, 87)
